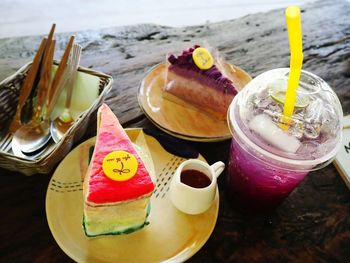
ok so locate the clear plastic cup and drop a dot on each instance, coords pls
(267, 162)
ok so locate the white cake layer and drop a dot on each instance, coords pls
(99, 220)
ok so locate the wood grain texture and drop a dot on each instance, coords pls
(312, 225)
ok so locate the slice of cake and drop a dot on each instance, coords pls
(117, 187)
(210, 89)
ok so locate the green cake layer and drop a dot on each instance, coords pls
(126, 230)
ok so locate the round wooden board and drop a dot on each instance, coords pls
(171, 236)
(182, 122)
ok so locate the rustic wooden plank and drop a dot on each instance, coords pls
(256, 43)
(312, 225)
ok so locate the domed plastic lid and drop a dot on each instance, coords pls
(314, 134)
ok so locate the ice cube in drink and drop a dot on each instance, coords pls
(267, 161)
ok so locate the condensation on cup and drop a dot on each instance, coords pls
(267, 162)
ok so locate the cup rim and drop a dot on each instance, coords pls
(301, 165)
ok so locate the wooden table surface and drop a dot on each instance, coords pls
(312, 225)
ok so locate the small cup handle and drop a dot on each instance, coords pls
(218, 167)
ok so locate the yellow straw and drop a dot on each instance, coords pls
(296, 60)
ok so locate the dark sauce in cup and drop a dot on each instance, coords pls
(195, 178)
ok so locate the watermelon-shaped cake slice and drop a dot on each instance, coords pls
(117, 187)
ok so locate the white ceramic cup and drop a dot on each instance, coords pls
(193, 200)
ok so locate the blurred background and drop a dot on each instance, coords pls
(33, 17)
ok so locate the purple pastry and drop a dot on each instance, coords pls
(209, 90)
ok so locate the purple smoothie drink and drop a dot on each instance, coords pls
(267, 162)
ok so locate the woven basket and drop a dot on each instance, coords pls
(9, 93)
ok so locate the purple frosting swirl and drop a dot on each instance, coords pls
(185, 61)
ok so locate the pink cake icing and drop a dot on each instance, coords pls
(112, 137)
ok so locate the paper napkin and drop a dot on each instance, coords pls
(342, 160)
(85, 92)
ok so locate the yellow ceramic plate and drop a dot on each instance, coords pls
(180, 121)
(171, 236)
